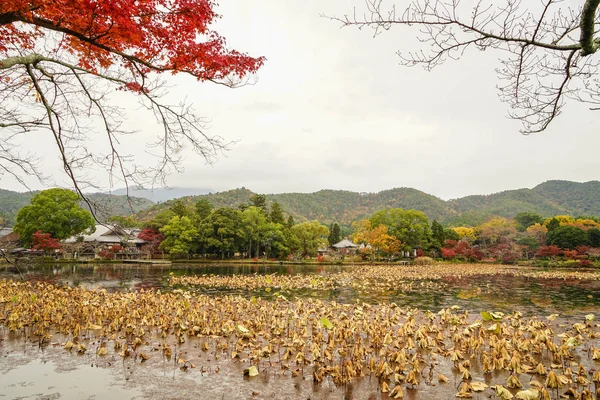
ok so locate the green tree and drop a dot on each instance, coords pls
(275, 240)
(54, 211)
(411, 227)
(290, 222)
(335, 234)
(438, 237)
(259, 201)
(567, 237)
(451, 234)
(311, 235)
(254, 224)
(276, 214)
(161, 219)
(222, 231)
(527, 219)
(594, 237)
(179, 208)
(553, 224)
(203, 209)
(180, 235)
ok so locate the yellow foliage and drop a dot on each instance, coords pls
(563, 219)
(584, 224)
(378, 237)
(464, 232)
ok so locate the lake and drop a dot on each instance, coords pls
(30, 370)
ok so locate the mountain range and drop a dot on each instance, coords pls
(160, 194)
(344, 207)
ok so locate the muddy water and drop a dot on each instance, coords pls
(28, 371)
(497, 292)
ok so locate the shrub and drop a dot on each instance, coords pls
(424, 261)
(585, 263)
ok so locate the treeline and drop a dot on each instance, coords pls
(528, 235)
(252, 230)
(257, 230)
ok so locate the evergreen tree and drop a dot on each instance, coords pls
(290, 222)
(203, 208)
(179, 208)
(567, 237)
(276, 214)
(450, 234)
(334, 234)
(437, 235)
(594, 237)
(553, 224)
(259, 201)
(526, 219)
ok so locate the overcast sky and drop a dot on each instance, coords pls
(332, 109)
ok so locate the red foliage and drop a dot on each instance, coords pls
(549, 251)
(320, 258)
(142, 36)
(583, 249)
(450, 243)
(153, 238)
(109, 253)
(45, 241)
(448, 253)
(461, 249)
(571, 254)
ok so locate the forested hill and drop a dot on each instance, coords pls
(344, 207)
(109, 205)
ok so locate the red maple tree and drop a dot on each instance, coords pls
(60, 58)
(549, 251)
(45, 242)
(153, 239)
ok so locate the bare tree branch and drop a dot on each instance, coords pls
(544, 61)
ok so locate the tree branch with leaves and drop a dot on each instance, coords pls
(61, 61)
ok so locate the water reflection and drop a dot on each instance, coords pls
(494, 292)
(42, 379)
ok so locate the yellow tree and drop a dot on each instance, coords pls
(377, 238)
(465, 233)
(563, 219)
(585, 224)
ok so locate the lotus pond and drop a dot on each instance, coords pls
(298, 332)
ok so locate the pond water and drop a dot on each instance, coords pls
(30, 371)
(478, 292)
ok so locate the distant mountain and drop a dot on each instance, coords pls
(344, 207)
(108, 205)
(160, 194)
(105, 205)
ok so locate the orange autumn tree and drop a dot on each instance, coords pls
(380, 242)
(61, 62)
